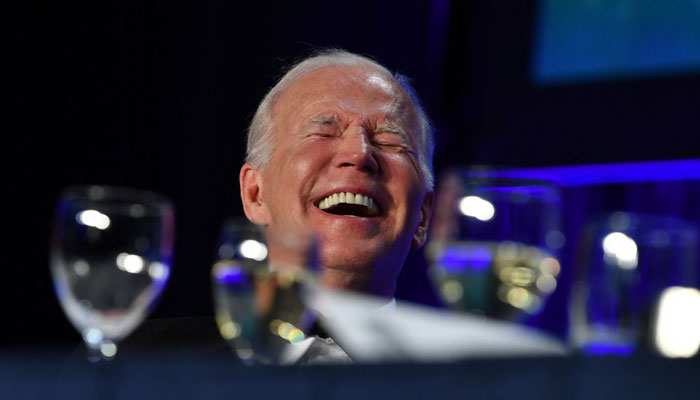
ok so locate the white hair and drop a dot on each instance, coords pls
(261, 143)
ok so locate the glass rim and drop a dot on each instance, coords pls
(112, 192)
(118, 199)
(641, 221)
(502, 176)
(240, 222)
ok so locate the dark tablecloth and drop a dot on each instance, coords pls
(162, 374)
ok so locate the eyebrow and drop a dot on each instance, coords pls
(324, 119)
(387, 127)
(395, 129)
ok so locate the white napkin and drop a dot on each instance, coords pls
(371, 332)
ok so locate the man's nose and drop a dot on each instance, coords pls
(356, 150)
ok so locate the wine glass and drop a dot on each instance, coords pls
(260, 286)
(637, 289)
(111, 253)
(493, 243)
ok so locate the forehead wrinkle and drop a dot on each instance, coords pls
(397, 107)
(316, 110)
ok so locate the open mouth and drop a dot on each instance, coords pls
(349, 204)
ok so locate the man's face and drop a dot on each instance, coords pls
(340, 130)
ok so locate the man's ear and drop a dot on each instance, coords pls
(254, 206)
(426, 211)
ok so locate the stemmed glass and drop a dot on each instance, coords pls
(493, 243)
(260, 285)
(111, 254)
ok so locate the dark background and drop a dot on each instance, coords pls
(158, 96)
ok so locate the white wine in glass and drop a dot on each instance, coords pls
(493, 243)
(111, 254)
(259, 287)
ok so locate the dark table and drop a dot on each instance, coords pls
(170, 374)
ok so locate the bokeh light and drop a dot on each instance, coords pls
(555, 239)
(81, 267)
(474, 206)
(677, 328)
(130, 263)
(550, 266)
(158, 271)
(92, 336)
(546, 283)
(108, 349)
(226, 251)
(93, 218)
(522, 276)
(620, 250)
(137, 210)
(253, 249)
(230, 330)
(287, 331)
(452, 291)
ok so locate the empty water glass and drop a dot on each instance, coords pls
(111, 253)
(637, 288)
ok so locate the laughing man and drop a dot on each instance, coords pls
(341, 146)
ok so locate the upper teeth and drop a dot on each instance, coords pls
(349, 198)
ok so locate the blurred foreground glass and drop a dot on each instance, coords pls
(638, 287)
(111, 254)
(493, 243)
(259, 289)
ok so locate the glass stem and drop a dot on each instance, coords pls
(104, 350)
(93, 352)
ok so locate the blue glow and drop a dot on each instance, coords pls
(457, 259)
(454, 260)
(613, 349)
(602, 174)
(480, 257)
(531, 190)
(231, 275)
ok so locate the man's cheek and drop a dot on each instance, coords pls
(406, 162)
(309, 162)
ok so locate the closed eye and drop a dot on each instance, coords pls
(389, 144)
(324, 127)
(390, 138)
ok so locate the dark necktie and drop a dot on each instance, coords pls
(317, 329)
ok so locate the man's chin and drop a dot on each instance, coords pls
(349, 265)
(349, 268)
(359, 279)
(351, 256)
(336, 279)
